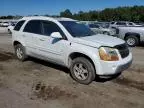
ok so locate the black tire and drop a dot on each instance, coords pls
(9, 31)
(134, 41)
(88, 66)
(23, 52)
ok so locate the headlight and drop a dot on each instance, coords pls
(108, 54)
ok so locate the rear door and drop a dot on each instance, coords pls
(16, 32)
(31, 31)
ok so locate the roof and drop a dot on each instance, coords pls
(47, 18)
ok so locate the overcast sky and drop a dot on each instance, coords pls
(53, 7)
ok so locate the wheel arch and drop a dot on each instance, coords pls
(16, 43)
(132, 34)
(74, 55)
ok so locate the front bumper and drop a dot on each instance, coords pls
(114, 67)
(123, 67)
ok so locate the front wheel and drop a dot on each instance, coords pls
(82, 70)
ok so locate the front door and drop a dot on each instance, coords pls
(51, 48)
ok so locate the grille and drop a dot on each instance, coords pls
(123, 49)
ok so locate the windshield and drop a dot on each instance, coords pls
(76, 29)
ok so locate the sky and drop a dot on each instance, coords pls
(54, 7)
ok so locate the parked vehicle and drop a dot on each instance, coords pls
(4, 24)
(102, 30)
(87, 22)
(122, 23)
(103, 24)
(64, 41)
(132, 35)
(0, 23)
(11, 27)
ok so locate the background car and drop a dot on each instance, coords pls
(97, 28)
(0, 23)
(132, 35)
(4, 24)
(123, 23)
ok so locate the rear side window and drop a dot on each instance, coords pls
(33, 26)
(19, 25)
(50, 27)
(120, 23)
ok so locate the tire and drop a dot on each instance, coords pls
(132, 41)
(87, 69)
(20, 52)
(9, 31)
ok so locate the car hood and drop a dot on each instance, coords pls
(99, 40)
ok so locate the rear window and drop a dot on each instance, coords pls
(19, 25)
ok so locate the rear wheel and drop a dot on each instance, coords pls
(20, 52)
(132, 41)
(82, 70)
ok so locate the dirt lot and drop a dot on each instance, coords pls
(39, 84)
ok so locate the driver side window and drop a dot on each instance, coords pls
(50, 27)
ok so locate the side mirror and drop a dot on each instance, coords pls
(56, 35)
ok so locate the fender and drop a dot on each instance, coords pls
(132, 34)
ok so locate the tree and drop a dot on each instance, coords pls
(135, 13)
(142, 18)
(67, 13)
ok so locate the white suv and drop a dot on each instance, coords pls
(66, 42)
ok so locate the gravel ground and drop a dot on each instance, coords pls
(39, 84)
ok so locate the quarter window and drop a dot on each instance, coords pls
(19, 25)
(33, 26)
(130, 23)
